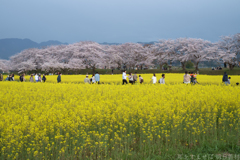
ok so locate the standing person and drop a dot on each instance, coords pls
(39, 78)
(130, 77)
(59, 79)
(93, 78)
(225, 78)
(24, 77)
(44, 78)
(186, 78)
(112, 71)
(135, 77)
(192, 77)
(97, 78)
(21, 78)
(1, 77)
(154, 78)
(12, 77)
(31, 78)
(140, 79)
(86, 80)
(36, 77)
(162, 80)
(124, 77)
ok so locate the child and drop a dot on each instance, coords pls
(229, 80)
(195, 81)
(140, 79)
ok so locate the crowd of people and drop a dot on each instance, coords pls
(133, 78)
(188, 78)
(94, 79)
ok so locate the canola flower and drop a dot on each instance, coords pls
(79, 121)
(173, 78)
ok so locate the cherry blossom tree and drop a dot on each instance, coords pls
(4, 65)
(195, 50)
(165, 52)
(229, 55)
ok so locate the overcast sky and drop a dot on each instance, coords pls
(118, 20)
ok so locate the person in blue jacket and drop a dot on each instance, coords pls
(97, 78)
(59, 77)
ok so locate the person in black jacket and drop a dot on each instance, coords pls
(21, 78)
(225, 78)
(44, 78)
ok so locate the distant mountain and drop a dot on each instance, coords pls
(11, 46)
(143, 43)
(105, 43)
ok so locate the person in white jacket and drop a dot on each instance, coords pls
(154, 79)
(124, 77)
(162, 80)
(36, 77)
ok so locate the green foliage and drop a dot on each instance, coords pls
(189, 64)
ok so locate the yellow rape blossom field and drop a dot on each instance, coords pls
(72, 120)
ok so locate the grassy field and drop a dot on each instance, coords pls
(72, 120)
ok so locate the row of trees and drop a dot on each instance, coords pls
(129, 55)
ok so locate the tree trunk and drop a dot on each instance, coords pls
(161, 65)
(196, 66)
(230, 66)
(170, 66)
(183, 65)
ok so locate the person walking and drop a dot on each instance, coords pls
(97, 78)
(59, 78)
(44, 78)
(31, 78)
(1, 77)
(87, 80)
(162, 80)
(225, 78)
(124, 77)
(186, 78)
(36, 77)
(130, 77)
(140, 79)
(154, 79)
(135, 77)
